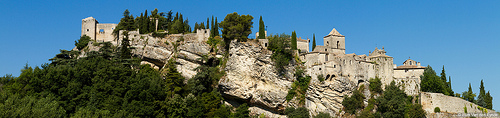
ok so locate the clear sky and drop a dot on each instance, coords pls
(461, 35)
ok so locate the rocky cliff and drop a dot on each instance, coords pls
(251, 78)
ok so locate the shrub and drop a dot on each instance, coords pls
(354, 102)
(321, 78)
(375, 85)
(300, 112)
(437, 110)
(322, 115)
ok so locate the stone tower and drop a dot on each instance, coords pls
(335, 41)
(89, 26)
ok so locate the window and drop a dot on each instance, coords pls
(334, 66)
(337, 44)
(265, 44)
(327, 43)
(87, 30)
(319, 68)
(325, 50)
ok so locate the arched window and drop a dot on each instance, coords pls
(338, 44)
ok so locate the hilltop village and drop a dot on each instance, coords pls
(250, 76)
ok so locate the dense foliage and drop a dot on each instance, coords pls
(392, 103)
(108, 84)
(375, 85)
(300, 112)
(436, 84)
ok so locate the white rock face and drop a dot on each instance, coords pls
(251, 77)
(327, 96)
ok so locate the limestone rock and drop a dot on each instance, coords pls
(251, 77)
(327, 96)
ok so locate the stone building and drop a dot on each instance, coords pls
(303, 45)
(331, 62)
(97, 31)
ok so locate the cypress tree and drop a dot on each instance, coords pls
(314, 42)
(482, 95)
(262, 31)
(207, 24)
(216, 28)
(195, 27)
(202, 26)
(212, 34)
(489, 101)
(294, 41)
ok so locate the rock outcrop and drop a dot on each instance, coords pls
(327, 96)
(251, 78)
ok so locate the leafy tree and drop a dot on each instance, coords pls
(262, 31)
(294, 41)
(314, 42)
(281, 56)
(235, 26)
(300, 112)
(82, 42)
(353, 102)
(469, 95)
(375, 85)
(431, 82)
(392, 102)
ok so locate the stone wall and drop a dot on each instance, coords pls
(447, 104)
(104, 32)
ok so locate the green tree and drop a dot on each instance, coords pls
(431, 82)
(235, 26)
(208, 23)
(216, 27)
(489, 101)
(126, 23)
(82, 42)
(282, 55)
(375, 85)
(174, 80)
(125, 50)
(392, 102)
(469, 95)
(314, 42)
(212, 31)
(294, 41)
(353, 102)
(262, 31)
(482, 96)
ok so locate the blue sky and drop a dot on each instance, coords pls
(461, 35)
